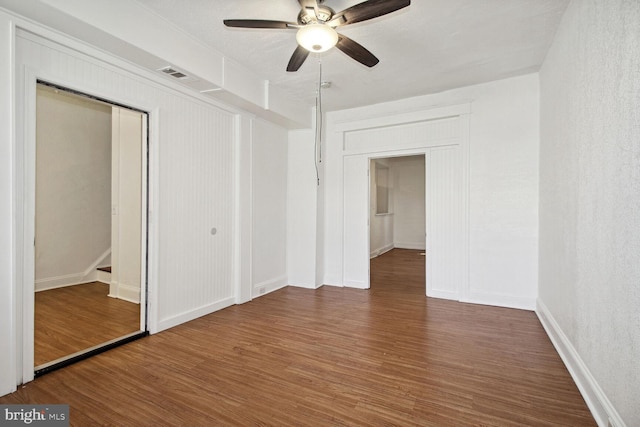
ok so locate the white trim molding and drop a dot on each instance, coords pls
(598, 403)
(382, 250)
(440, 133)
(90, 274)
(124, 292)
(268, 286)
(193, 314)
(409, 245)
(501, 300)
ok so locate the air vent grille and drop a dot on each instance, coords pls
(173, 72)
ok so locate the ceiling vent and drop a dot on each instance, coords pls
(173, 72)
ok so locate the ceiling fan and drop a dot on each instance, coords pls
(316, 26)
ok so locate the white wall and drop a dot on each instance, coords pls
(73, 187)
(589, 203)
(503, 175)
(409, 202)
(301, 210)
(8, 273)
(269, 207)
(127, 196)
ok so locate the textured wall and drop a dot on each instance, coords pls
(590, 192)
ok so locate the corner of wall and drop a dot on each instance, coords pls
(7, 259)
(598, 403)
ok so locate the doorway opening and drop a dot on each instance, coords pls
(397, 221)
(90, 246)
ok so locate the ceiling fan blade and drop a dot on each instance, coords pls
(356, 51)
(297, 59)
(367, 10)
(259, 23)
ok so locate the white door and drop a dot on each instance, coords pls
(356, 222)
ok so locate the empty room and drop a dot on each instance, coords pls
(346, 212)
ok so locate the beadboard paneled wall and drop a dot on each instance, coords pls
(445, 235)
(191, 180)
(196, 196)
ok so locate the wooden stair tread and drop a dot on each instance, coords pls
(107, 269)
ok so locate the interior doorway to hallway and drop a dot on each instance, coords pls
(397, 216)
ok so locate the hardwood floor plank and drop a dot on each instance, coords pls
(74, 318)
(333, 356)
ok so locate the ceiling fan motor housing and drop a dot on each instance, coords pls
(321, 14)
(316, 28)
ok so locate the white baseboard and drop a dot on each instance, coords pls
(442, 294)
(304, 285)
(194, 314)
(129, 293)
(124, 292)
(358, 284)
(379, 251)
(500, 300)
(601, 408)
(90, 274)
(103, 277)
(415, 246)
(268, 286)
(58, 282)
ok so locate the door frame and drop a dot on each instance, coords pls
(25, 185)
(424, 153)
(374, 135)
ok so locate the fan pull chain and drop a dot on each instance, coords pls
(318, 131)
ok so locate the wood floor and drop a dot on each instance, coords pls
(74, 318)
(329, 357)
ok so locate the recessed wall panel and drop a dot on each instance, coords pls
(406, 136)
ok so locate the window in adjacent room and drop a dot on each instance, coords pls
(382, 189)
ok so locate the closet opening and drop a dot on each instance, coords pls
(89, 168)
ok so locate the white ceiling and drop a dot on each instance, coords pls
(428, 47)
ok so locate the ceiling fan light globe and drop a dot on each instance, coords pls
(317, 37)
